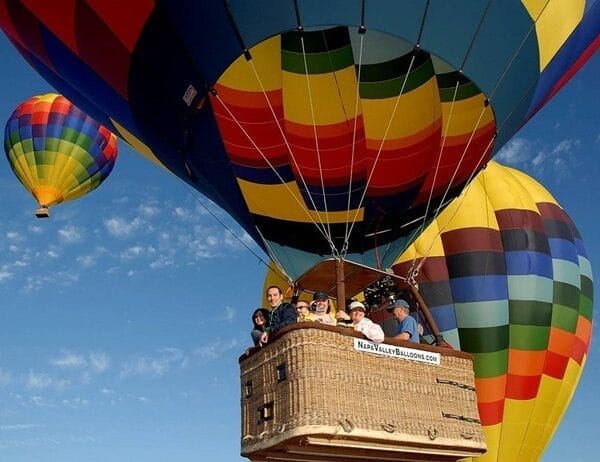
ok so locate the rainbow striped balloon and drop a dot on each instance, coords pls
(507, 279)
(58, 152)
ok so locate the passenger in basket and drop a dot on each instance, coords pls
(322, 309)
(407, 326)
(364, 325)
(304, 313)
(282, 314)
(260, 319)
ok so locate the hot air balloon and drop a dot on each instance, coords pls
(56, 151)
(505, 275)
(507, 278)
(326, 129)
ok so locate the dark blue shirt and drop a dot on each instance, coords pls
(284, 315)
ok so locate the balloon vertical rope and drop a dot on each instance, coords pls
(361, 30)
(286, 141)
(240, 126)
(315, 134)
(492, 93)
(385, 135)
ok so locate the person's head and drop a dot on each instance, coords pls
(400, 309)
(321, 302)
(302, 307)
(260, 318)
(357, 312)
(274, 296)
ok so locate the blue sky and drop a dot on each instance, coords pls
(122, 317)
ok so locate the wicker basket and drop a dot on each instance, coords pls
(309, 395)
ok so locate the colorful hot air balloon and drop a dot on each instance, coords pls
(57, 152)
(507, 279)
(324, 127)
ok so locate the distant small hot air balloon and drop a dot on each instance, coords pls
(58, 152)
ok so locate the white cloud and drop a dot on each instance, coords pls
(5, 274)
(13, 248)
(153, 366)
(41, 401)
(36, 229)
(541, 160)
(13, 236)
(99, 362)
(62, 278)
(70, 234)
(41, 381)
(86, 260)
(516, 152)
(132, 252)
(95, 362)
(143, 399)
(120, 227)
(75, 402)
(214, 350)
(181, 213)
(51, 254)
(107, 391)
(229, 314)
(69, 361)
(18, 427)
(162, 262)
(149, 209)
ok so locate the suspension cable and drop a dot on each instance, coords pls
(315, 134)
(437, 166)
(195, 194)
(302, 206)
(288, 146)
(492, 93)
(361, 31)
(387, 129)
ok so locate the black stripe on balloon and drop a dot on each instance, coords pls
(388, 70)
(476, 264)
(558, 229)
(436, 293)
(524, 239)
(566, 295)
(365, 236)
(587, 287)
(530, 312)
(483, 339)
(320, 41)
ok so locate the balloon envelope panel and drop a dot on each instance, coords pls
(507, 278)
(298, 135)
(57, 152)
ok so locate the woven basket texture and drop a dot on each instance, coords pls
(333, 390)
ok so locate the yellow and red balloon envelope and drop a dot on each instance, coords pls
(320, 126)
